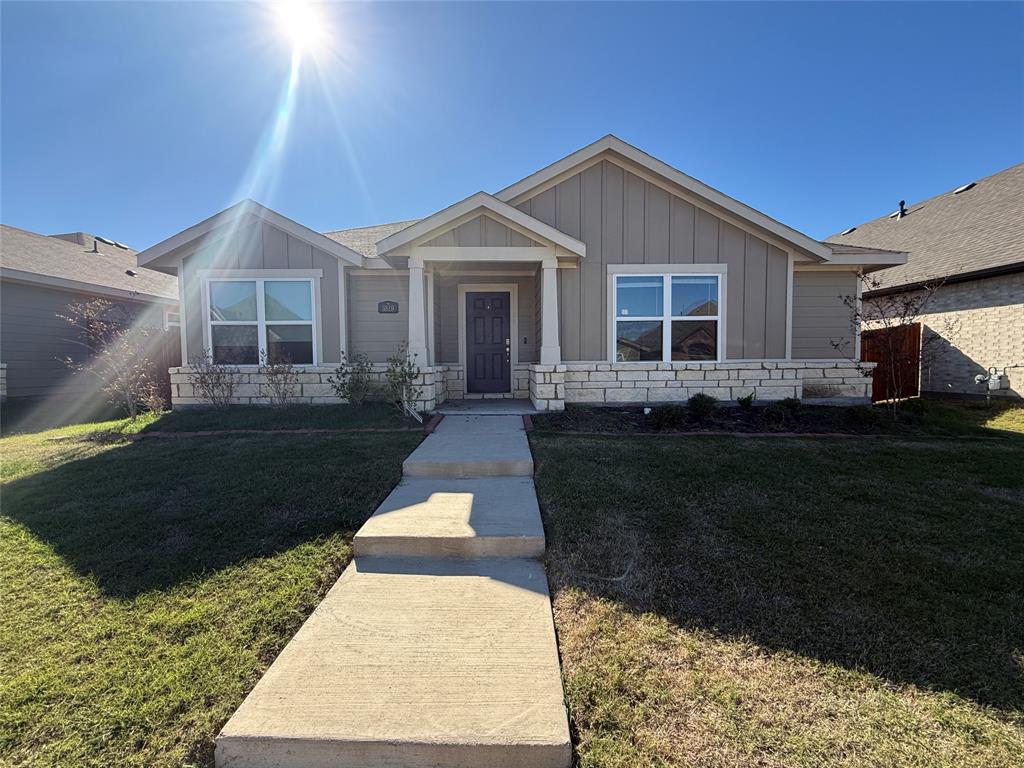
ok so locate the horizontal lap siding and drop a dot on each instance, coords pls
(258, 245)
(370, 332)
(34, 340)
(624, 219)
(447, 314)
(821, 318)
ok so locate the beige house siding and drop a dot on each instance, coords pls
(258, 245)
(448, 314)
(370, 332)
(624, 219)
(34, 341)
(821, 319)
(981, 325)
(481, 231)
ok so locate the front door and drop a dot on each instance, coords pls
(488, 339)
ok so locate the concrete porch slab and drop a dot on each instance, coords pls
(473, 446)
(487, 408)
(427, 517)
(415, 663)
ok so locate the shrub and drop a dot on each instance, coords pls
(354, 379)
(667, 417)
(282, 379)
(746, 402)
(212, 382)
(776, 414)
(792, 405)
(862, 416)
(701, 406)
(400, 379)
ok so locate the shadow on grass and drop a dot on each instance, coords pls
(153, 514)
(904, 561)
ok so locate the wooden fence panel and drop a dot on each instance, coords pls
(897, 352)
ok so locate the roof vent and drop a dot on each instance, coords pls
(847, 231)
(104, 240)
(131, 273)
(122, 246)
(964, 188)
(901, 212)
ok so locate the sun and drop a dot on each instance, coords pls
(302, 24)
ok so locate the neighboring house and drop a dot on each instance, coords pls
(970, 243)
(607, 277)
(40, 278)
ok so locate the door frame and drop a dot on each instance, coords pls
(512, 289)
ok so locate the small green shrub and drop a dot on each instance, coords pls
(862, 416)
(792, 405)
(701, 406)
(400, 379)
(776, 414)
(746, 402)
(354, 380)
(667, 417)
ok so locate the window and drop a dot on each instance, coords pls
(247, 316)
(666, 317)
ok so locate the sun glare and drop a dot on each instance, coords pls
(302, 24)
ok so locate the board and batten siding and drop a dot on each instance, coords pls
(481, 231)
(448, 314)
(624, 219)
(35, 340)
(370, 332)
(822, 321)
(259, 245)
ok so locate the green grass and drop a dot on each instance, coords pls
(369, 416)
(147, 585)
(794, 603)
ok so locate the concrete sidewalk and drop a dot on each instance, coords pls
(436, 647)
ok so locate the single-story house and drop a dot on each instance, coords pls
(606, 277)
(40, 278)
(968, 244)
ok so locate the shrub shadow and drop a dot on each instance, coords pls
(153, 514)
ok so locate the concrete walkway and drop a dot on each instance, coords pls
(436, 647)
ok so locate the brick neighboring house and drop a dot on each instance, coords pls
(972, 240)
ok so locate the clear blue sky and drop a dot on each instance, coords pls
(136, 120)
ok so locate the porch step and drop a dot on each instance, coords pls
(414, 663)
(428, 517)
(473, 446)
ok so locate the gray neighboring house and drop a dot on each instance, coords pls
(40, 277)
(605, 277)
(971, 240)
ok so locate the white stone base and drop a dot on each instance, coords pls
(622, 383)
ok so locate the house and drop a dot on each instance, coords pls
(606, 277)
(40, 278)
(969, 242)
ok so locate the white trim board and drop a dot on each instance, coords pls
(513, 306)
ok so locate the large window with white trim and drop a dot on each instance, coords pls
(664, 318)
(250, 316)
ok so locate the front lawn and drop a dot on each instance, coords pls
(146, 586)
(788, 602)
(336, 417)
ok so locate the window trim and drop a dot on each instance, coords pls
(260, 277)
(666, 273)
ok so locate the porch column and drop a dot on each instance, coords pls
(550, 349)
(417, 315)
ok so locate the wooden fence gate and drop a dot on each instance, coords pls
(897, 352)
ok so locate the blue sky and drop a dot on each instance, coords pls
(136, 120)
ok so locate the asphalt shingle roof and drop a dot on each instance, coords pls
(947, 235)
(364, 239)
(56, 257)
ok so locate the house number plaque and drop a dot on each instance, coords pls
(387, 307)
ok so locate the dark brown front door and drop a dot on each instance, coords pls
(488, 335)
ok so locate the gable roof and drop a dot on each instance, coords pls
(978, 231)
(61, 262)
(481, 201)
(157, 256)
(364, 239)
(612, 144)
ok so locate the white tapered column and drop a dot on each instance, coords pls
(417, 314)
(550, 349)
